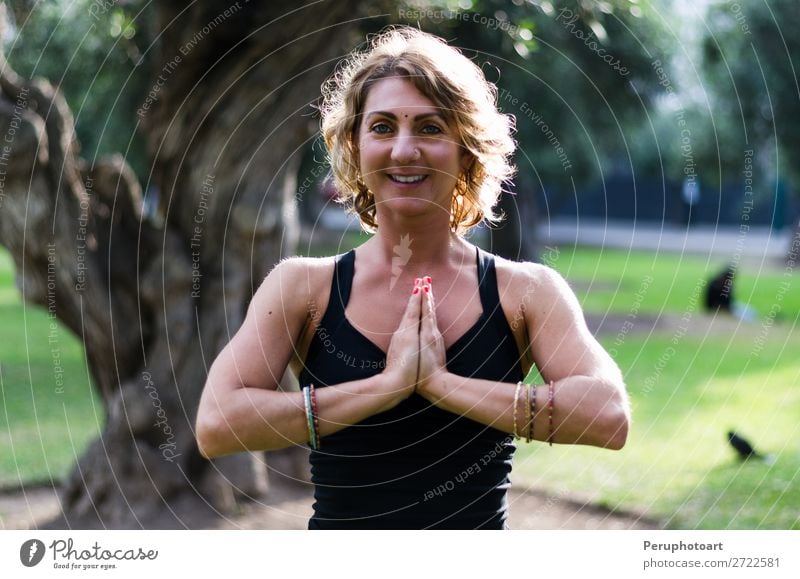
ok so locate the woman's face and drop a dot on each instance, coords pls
(410, 158)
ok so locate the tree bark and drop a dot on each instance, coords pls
(155, 299)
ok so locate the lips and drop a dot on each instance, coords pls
(407, 179)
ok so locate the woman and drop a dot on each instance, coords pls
(412, 347)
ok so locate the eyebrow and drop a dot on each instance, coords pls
(418, 117)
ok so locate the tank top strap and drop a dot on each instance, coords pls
(332, 318)
(487, 283)
(341, 284)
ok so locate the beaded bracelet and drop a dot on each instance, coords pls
(531, 410)
(516, 403)
(314, 414)
(552, 399)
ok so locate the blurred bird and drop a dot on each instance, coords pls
(742, 447)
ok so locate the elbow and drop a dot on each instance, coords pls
(612, 421)
(619, 436)
(618, 424)
(208, 436)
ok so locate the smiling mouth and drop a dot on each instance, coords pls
(407, 178)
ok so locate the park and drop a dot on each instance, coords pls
(150, 182)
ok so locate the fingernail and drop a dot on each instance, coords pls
(427, 288)
(418, 281)
(427, 279)
(416, 291)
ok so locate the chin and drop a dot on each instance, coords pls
(408, 207)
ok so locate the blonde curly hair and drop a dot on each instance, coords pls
(453, 83)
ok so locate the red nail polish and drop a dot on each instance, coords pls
(418, 281)
(416, 291)
(428, 279)
(427, 289)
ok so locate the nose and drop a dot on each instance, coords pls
(405, 149)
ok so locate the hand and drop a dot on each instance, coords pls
(402, 358)
(432, 353)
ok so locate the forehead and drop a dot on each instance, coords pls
(397, 95)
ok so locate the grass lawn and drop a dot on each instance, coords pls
(617, 281)
(677, 465)
(48, 408)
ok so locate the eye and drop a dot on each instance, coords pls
(431, 130)
(380, 128)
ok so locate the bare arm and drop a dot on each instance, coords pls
(241, 409)
(590, 403)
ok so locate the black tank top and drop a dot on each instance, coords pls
(415, 466)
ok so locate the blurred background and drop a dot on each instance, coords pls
(157, 160)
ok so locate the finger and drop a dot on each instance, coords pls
(429, 326)
(412, 314)
(429, 304)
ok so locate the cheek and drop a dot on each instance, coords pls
(368, 152)
(450, 152)
(364, 164)
(448, 157)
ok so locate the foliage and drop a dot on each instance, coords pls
(749, 55)
(579, 116)
(98, 55)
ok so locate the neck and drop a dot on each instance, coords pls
(424, 244)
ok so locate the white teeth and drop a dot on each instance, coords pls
(407, 178)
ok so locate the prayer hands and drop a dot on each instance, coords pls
(416, 356)
(432, 354)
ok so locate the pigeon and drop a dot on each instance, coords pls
(742, 447)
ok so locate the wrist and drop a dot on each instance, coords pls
(391, 390)
(434, 386)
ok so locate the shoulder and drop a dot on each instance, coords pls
(532, 286)
(299, 268)
(526, 275)
(297, 280)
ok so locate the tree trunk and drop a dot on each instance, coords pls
(515, 238)
(154, 300)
